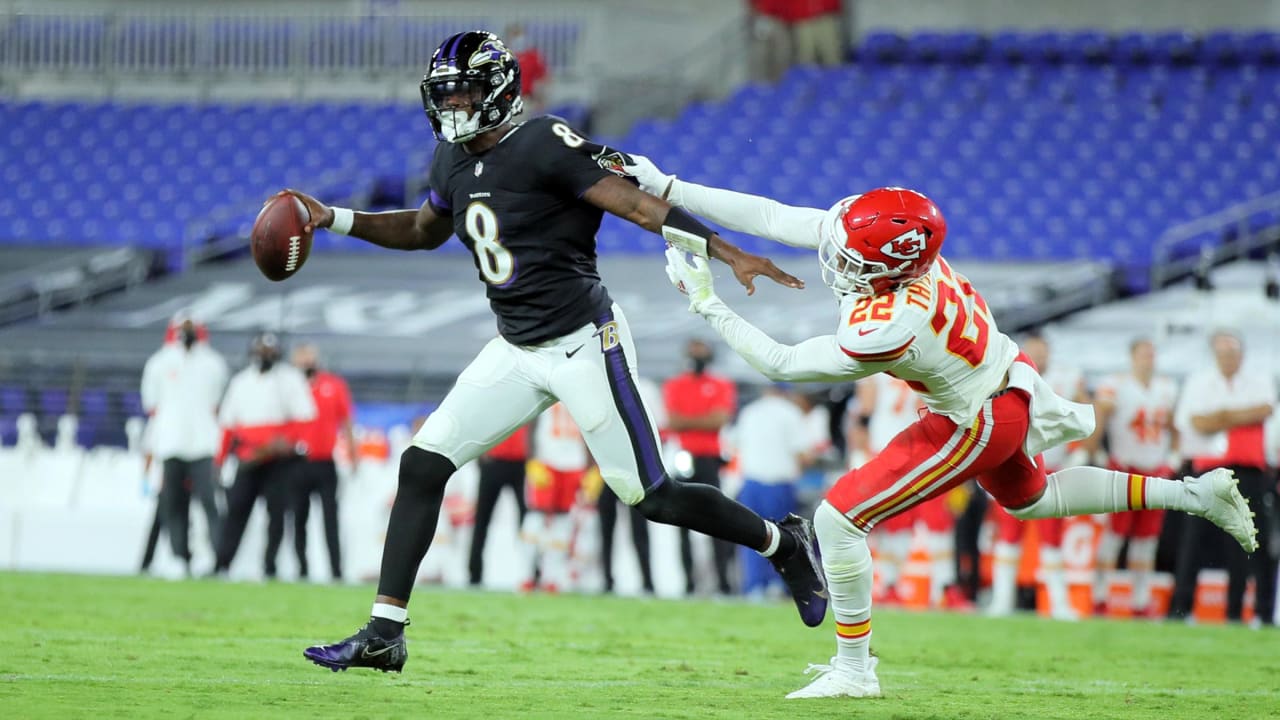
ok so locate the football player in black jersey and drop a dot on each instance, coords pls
(527, 200)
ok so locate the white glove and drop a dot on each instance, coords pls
(651, 179)
(692, 276)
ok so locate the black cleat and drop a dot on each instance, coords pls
(802, 570)
(364, 649)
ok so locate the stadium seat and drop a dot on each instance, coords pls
(882, 47)
(53, 402)
(1048, 126)
(13, 400)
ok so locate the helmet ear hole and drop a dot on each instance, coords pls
(898, 221)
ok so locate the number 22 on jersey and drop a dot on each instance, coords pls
(970, 323)
(495, 261)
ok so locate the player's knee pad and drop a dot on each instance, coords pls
(844, 547)
(424, 468)
(630, 496)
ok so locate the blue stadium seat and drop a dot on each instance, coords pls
(13, 400)
(1052, 127)
(131, 404)
(8, 430)
(53, 402)
(882, 47)
(1086, 46)
(1175, 48)
(1262, 48)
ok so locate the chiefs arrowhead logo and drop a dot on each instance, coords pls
(906, 246)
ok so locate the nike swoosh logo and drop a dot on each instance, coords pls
(821, 593)
(571, 353)
(865, 331)
(365, 654)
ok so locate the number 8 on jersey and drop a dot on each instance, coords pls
(496, 263)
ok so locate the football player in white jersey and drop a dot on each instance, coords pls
(885, 406)
(1069, 383)
(905, 312)
(552, 479)
(1135, 412)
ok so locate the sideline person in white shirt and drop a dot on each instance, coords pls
(773, 439)
(181, 386)
(262, 418)
(1220, 419)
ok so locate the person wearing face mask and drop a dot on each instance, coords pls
(317, 473)
(266, 405)
(181, 385)
(700, 403)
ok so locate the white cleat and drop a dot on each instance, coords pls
(1064, 613)
(1224, 506)
(999, 609)
(838, 680)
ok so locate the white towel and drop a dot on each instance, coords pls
(1055, 420)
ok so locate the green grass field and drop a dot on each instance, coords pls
(130, 648)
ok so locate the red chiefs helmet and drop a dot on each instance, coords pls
(879, 241)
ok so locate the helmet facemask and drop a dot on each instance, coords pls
(847, 272)
(455, 108)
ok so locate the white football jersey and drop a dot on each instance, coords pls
(1067, 382)
(897, 406)
(937, 335)
(557, 442)
(1138, 431)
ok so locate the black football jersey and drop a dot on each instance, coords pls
(518, 208)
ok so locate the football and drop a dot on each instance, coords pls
(279, 245)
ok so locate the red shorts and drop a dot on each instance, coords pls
(1009, 529)
(934, 455)
(1140, 524)
(549, 490)
(935, 515)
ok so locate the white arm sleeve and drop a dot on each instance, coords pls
(816, 359)
(762, 217)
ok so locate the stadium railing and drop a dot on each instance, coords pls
(210, 45)
(35, 291)
(1230, 233)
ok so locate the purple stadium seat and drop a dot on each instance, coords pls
(131, 404)
(13, 400)
(93, 403)
(53, 402)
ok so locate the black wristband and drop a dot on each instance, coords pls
(686, 232)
